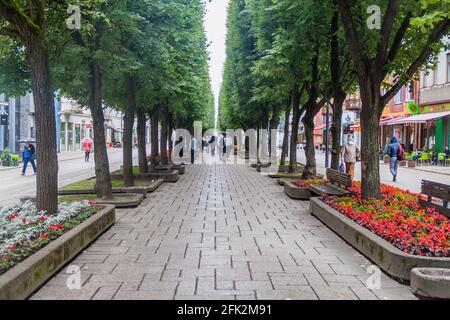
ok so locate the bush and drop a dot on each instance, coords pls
(6, 158)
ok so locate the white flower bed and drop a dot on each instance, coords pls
(20, 223)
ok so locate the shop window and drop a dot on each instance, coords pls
(63, 136)
(70, 136)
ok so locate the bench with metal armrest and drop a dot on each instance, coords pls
(438, 191)
(339, 182)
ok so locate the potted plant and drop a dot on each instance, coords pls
(386, 159)
(15, 160)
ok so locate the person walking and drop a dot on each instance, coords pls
(350, 154)
(393, 153)
(29, 155)
(193, 147)
(87, 147)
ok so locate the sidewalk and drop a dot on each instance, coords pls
(221, 232)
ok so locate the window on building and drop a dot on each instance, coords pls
(399, 97)
(63, 136)
(32, 132)
(410, 92)
(448, 67)
(435, 76)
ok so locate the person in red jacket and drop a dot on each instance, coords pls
(87, 147)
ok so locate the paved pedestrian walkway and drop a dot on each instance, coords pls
(221, 232)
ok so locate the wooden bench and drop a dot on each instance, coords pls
(339, 182)
(438, 191)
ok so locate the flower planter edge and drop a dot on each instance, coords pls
(392, 260)
(297, 193)
(28, 276)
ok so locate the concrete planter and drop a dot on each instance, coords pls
(282, 181)
(25, 278)
(411, 163)
(180, 167)
(403, 163)
(136, 189)
(431, 283)
(122, 200)
(389, 258)
(171, 176)
(297, 193)
(285, 175)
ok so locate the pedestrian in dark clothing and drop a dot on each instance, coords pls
(29, 155)
(394, 147)
(180, 140)
(193, 147)
(212, 143)
(447, 152)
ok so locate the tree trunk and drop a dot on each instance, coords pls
(310, 170)
(285, 149)
(273, 125)
(296, 115)
(154, 137)
(142, 143)
(336, 131)
(370, 124)
(163, 142)
(46, 151)
(103, 186)
(169, 135)
(128, 123)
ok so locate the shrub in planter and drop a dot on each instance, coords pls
(15, 159)
(399, 219)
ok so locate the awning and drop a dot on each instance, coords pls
(421, 118)
(384, 121)
(392, 120)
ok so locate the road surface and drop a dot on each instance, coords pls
(71, 169)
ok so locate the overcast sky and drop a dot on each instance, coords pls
(215, 27)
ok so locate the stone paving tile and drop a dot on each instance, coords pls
(221, 232)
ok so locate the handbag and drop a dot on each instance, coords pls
(342, 167)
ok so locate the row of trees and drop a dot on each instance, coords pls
(292, 57)
(146, 58)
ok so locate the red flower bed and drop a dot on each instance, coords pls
(398, 218)
(310, 182)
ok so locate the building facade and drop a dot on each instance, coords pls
(73, 123)
(17, 121)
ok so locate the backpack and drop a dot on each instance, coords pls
(401, 153)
